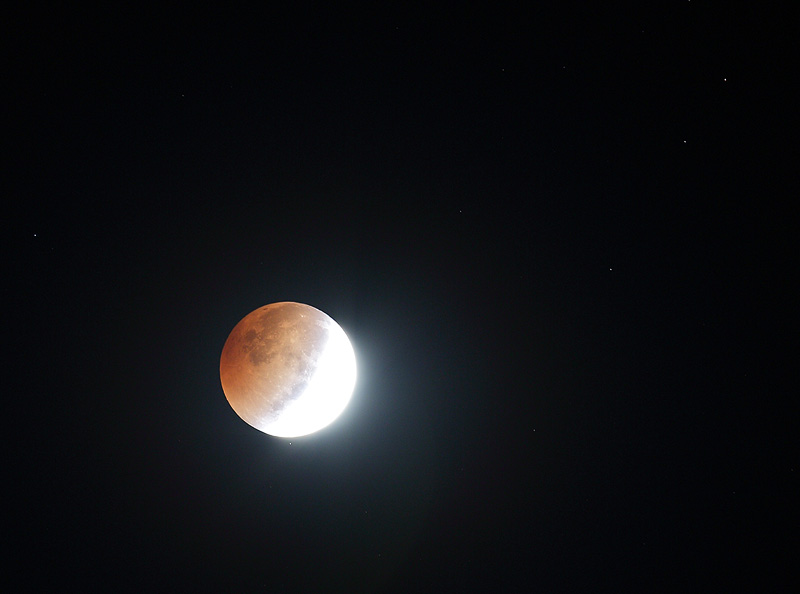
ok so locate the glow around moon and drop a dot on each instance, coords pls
(288, 369)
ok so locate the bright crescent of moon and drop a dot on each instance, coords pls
(288, 369)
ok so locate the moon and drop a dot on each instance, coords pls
(288, 369)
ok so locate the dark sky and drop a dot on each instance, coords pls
(557, 239)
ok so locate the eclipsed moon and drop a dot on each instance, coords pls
(288, 369)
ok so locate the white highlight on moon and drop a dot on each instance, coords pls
(327, 394)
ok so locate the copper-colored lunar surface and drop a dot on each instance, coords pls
(287, 369)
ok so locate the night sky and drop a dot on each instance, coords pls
(558, 238)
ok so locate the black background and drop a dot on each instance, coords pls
(559, 239)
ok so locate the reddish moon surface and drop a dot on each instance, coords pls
(287, 369)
